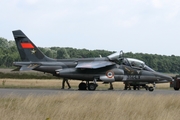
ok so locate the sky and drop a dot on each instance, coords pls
(138, 26)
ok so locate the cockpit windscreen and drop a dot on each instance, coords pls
(135, 63)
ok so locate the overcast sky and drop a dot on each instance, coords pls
(146, 26)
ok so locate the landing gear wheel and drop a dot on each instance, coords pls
(151, 89)
(82, 86)
(175, 88)
(92, 86)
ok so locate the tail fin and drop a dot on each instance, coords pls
(27, 50)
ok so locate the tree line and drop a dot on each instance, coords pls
(161, 63)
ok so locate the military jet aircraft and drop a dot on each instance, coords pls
(113, 68)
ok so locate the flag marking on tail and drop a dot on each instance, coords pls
(27, 45)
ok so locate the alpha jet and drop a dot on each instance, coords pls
(113, 68)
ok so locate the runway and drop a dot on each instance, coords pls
(46, 92)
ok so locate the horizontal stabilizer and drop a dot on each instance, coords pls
(26, 67)
(17, 69)
(23, 68)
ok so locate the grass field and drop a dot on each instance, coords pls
(95, 106)
(79, 106)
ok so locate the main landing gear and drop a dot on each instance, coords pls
(87, 85)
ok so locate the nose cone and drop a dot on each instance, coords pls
(162, 77)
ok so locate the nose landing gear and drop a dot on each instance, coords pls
(138, 86)
(152, 88)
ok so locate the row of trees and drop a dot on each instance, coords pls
(161, 63)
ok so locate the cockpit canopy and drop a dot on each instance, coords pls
(134, 63)
(114, 56)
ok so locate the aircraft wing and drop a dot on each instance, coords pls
(94, 64)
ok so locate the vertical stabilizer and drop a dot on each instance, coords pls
(27, 50)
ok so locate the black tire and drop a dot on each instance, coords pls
(175, 88)
(92, 86)
(82, 86)
(151, 89)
